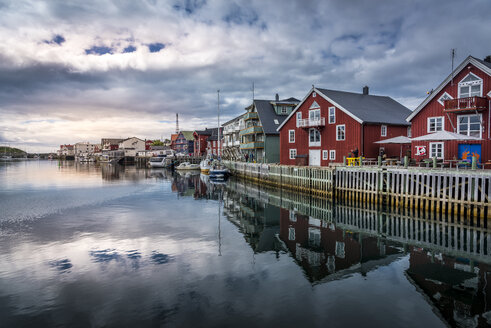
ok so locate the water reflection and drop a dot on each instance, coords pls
(152, 247)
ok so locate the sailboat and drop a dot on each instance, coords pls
(218, 171)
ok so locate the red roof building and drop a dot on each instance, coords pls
(328, 125)
(460, 104)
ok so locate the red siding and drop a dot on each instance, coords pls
(434, 108)
(328, 135)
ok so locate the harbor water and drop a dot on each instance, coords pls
(88, 245)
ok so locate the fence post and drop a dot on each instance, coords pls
(379, 160)
(434, 162)
(474, 162)
(406, 161)
(344, 160)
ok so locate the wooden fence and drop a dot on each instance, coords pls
(465, 193)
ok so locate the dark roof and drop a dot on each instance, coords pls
(206, 132)
(482, 62)
(267, 115)
(370, 108)
(233, 120)
(214, 134)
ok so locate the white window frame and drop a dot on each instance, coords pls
(299, 118)
(315, 143)
(332, 155)
(315, 115)
(290, 134)
(409, 132)
(284, 110)
(314, 94)
(435, 117)
(431, 154)
(440, 99)
(383, 130)
(337, 132)
(324, 155)
(293, 151)
(469, 84)
(468, 115)
(332, 113)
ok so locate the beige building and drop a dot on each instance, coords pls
(86, 148)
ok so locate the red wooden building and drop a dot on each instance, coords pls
(329, 124)
(201, 141)
(460, 104)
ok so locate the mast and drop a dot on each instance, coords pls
(218, 109)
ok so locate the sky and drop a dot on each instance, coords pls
(74, 71)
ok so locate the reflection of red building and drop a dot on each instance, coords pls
(459, 287)
(323, 249)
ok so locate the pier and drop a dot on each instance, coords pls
(443, 192)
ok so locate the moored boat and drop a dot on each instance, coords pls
(157, 162)
(205, 166)
(188, 166)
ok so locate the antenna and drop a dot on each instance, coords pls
(453, 56)
(177, 123)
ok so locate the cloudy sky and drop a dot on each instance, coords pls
(80, 70)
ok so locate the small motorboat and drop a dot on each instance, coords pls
(157, 162)
(219, 172)
(205, 166)
(188, 166)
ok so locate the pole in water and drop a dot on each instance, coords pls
(218, 109)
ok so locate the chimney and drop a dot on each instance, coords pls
(277, 97)
(365, 90)
(487, 59)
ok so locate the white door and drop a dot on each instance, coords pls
(315, 157)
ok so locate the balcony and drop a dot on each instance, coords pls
(312, 123)
(465, 104)
(252, 145)
(251, 116)
(250, 130)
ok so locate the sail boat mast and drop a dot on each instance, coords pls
(218, 110)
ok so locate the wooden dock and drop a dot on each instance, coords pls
(462, 193)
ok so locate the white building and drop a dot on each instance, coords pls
(231, 138)
(132, 146)
(86, 148)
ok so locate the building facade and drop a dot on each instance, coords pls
(328, 125)
(132, 146)
(259, 139)
(85, 148)
(231, 139)
(201, 141)
(184, 143)
(460, 104)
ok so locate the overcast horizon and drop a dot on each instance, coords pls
(85, 70)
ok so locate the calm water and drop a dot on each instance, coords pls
(89, 246)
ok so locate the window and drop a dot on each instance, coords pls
(340, 132)
(284, 110)
(293, 216)
(436, 149)
(291, 233)
(332, 155)
(276, 122)
(291, 134)
(314, 137)
(299, 118)
(293, 153)
(444, 96)
(315, 115)
(409, 133)
(470, 86)
(314, 94)
(324, 155)
(383, 131)
(469, 125)
(435, 124)
(332, 115)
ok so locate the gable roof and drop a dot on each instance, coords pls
(267, 115)
(481, 64)
(188, 135)
(362, 108)
(205, 132)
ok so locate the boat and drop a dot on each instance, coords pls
(205, 165)
(187, 166)
(218, 173)
(157, 162)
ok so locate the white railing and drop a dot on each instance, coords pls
(307, 123)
